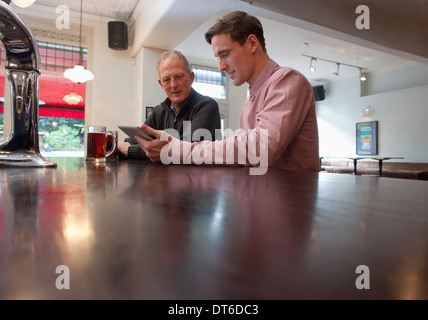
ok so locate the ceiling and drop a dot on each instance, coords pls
(398, 31)
(112, 9)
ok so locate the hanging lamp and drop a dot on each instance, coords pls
(73, 98)
(23, 3)
(79, 74)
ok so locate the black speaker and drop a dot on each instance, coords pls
(319, 92)
(117, 35)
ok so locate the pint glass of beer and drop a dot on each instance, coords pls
(97, 144)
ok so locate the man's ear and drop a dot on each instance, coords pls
(253, 42)
(192, 77)
(160, 83)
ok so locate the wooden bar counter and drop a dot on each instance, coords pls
(134, 230)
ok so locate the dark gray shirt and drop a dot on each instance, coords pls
(202, 111)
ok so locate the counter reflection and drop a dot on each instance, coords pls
(223, 214)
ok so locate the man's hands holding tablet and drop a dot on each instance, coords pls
(133, 131)
(148, 139)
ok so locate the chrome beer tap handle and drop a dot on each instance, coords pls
(21, 147)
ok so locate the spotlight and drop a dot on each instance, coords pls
(366, 110)
(362, 75)
(311, 67)
(337, 71)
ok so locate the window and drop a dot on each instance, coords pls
(210, 82)
(58, 57)
(61, 124)
(213, 83)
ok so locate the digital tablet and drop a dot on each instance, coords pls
(133, 131)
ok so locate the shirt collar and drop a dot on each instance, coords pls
(173, 110)
(263, 77)
(187, 102)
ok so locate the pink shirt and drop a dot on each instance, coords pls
(281, 101)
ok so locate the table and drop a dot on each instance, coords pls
(379, 159)
(133, 230)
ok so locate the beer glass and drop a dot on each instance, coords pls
(97, 144)
(115, 154)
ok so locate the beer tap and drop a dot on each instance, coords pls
(21, 147)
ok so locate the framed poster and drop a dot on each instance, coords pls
(148, 111)
(367, 138)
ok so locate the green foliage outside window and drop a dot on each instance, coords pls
(60, 134)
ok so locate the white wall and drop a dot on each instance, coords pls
(402, 115)
(114, 96)
(237, 97)
(152, 92)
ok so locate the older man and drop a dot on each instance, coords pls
(182, 104)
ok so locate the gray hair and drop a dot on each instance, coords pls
(172, 53)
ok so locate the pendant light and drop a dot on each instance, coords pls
(73, 98)
(79, 74)
(23, 3)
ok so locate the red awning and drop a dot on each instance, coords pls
(52, 90)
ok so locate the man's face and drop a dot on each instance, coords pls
(175, 80)
(233, 58)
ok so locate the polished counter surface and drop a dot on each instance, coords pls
(133, 230)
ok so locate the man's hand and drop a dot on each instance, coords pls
(123, 148)
(152, 148)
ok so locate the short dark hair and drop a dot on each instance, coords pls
(239, 25)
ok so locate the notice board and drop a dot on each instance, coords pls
(367, 138)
